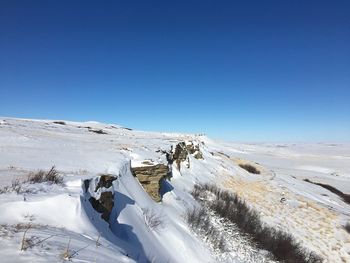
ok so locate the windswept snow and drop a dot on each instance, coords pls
(57, 214)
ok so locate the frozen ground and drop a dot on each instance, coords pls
(57, 214)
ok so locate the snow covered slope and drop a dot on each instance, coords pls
(61, 218)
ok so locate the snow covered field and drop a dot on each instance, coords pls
(62, 218)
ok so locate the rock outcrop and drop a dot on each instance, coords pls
(183, 150)
(150, 177)
(104, 204)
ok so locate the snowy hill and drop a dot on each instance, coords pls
(56, 222)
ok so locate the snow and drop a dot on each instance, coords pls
(314, 215)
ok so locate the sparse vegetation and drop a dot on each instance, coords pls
(250, 168)
(52, 176)
(153, 220)
(229, 206)
(25, 241)
(5, 189)
(67, 254)
(198, 219)
(16, 186)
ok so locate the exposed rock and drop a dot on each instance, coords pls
(182, 152)
(198, 155)
(105, 203)
(105, 181)
(194, 150)
(147, 162)
(150, 178)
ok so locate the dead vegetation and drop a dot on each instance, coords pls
(16, 186)
(52, 176)
(199, 220)
(231, 207)
(152, 219)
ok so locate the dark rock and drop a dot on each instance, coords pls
(104, 205)
(105, 181)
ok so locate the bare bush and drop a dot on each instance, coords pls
(250, 168)
(153, 220)
(229, 206)
(52, 176)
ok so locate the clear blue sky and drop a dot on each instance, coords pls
(237, 70)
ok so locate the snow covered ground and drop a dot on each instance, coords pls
(61, 216)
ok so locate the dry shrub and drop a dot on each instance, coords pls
(153, 220)
(16, 186)
(52, 176)
(199, 220)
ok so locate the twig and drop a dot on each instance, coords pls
(23, 245)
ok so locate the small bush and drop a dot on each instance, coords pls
(250, 168)
(41, 176)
